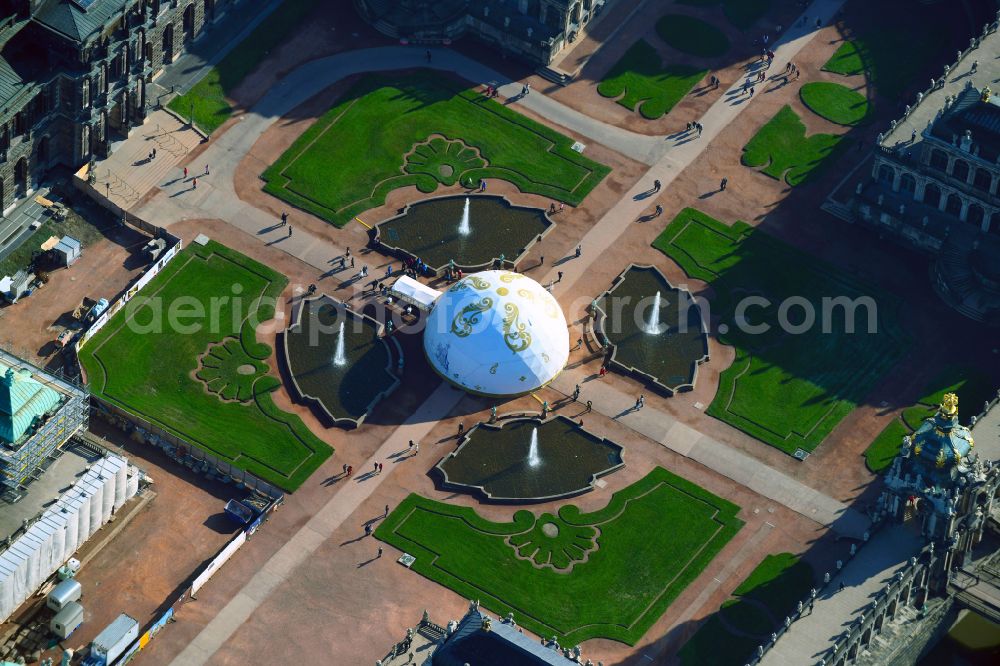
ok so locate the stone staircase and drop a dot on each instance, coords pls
(555, 75)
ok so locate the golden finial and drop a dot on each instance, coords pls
(940, 457)
(949, 404)
(986, 94)
(487, 623)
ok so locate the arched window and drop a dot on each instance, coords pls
(983, 180)
(908, 184)
(939, 160)
(886, 173)
(975, 215)
(960, 170)
(932, 195)
(954, 205)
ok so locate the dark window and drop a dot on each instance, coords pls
(983, 180)
(960, 170)
(908, 183)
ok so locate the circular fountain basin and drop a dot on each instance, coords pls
(666, 359)
(430, 230)
(492, 461)
(343, 395)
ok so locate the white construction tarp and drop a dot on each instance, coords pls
(417, 293)
(52, 539)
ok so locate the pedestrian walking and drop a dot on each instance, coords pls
(576, 393)
(788, 66)
(603, 371)
(461, 429)
(797, 72)
(284, 219)
(154, 153)
(640, 402)
(975, 66)
(347, 252)
(482, 184)
(206, 169)
(722, 184)
(657, 185)
(352, 262)
(527, 88)
(590, 406)
(416, 449)
(579, 250)
(411, 446)
(379, 553)
(559, 274)
(751, 91)
(380, 465)
(386, 510)
(375, 466)
(368, 529)
(541, 260)
(345, 469)
(289, 231)
(913, 136)
(350, 470)
(700, 128)
(659, 210)
(194, 184)
(562, 206)
(185, 172)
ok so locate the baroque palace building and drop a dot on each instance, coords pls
(934, 184)
(74, 77)
(533, 30)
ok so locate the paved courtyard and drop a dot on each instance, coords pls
(311, 576)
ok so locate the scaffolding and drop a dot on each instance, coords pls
(24, 461)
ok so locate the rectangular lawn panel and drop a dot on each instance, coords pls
(362, 148)
(778, 583)
(207, 100)
(655, 538)
(150, 370)
(784, 151)
(788, 389)
(641, 80)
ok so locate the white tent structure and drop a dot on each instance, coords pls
(52, 539)
(497, 333)
(409, 290)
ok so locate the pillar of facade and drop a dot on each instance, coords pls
(986, 222)
(964, 213)
(943, 203)
(896, 177)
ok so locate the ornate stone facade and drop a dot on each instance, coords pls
(74, 76)
(935, 180)
(534, 30)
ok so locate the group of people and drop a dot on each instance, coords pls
(696, 126)
(414, 267)
(452, 274)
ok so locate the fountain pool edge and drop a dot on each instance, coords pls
(313, 402)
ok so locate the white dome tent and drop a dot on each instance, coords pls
(497, 333)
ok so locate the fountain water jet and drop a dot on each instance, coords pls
(339, 357)
(533, 459)
(653, 325)
(463, 227)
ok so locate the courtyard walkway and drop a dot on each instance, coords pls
(808, 639)
(320, 527)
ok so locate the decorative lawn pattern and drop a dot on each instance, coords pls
(784, 151)
(883, 49)
(652, 540)
(692, 36)
(788, 390)
(207, 101)
(190, 383)
(837, 103)
(973, 387)
(760, 604)
(641, 80)
(388, 121)
(741, 13)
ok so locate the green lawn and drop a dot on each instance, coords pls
(973, 387)
(615, 575)
(363, 148)
(184, 377)
(835, 102)
(788, 389)
(691, 35)
(885, 51)
(778, 583)
(741, 13)
(641, 80)
(207, 101)
(784, 151)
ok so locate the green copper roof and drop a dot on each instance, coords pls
(22, 401)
